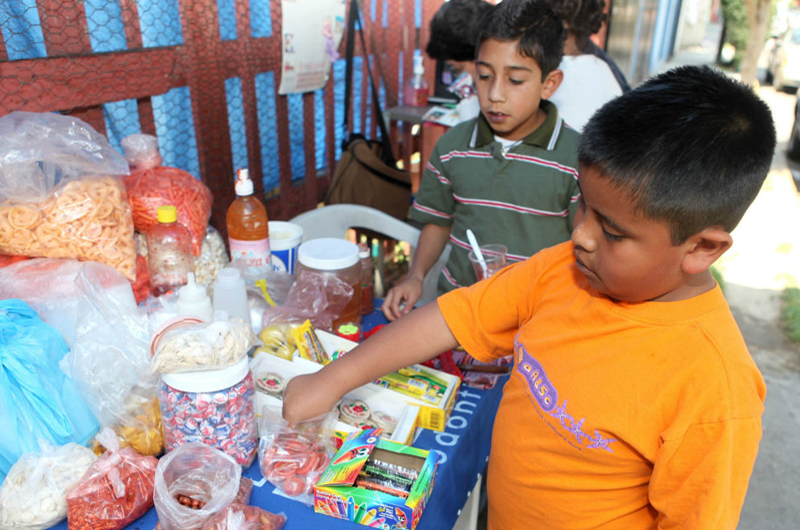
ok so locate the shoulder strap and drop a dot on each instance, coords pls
(354, 19)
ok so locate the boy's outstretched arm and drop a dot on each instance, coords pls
(418, 336)
(431, 243)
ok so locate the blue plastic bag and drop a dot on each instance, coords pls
(37, 400)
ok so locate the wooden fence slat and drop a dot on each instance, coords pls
(64, 27)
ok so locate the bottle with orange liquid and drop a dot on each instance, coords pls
(248, 226)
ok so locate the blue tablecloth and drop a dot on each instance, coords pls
(463, 450)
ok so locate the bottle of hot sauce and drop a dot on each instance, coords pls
(248, 225)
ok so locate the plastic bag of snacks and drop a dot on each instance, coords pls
(293, 458)
(59, 193)
(240, 517)
(212, 259)
(110, 361)
(150, 186)
(201, 346)
(37, 400)
(34, 494)
(316, 297)
(115, 491)
(194, 482)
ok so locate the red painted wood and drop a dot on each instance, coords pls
(91, 115)
(64, 27)
(3, 52)
(146, 118)
(130, 19)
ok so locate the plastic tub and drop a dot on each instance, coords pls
(339, 258)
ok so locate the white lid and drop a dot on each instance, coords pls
(243, 186)
(208, 380)
(328, 254)
(191, 292)
(419, 68)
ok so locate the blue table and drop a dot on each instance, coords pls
(463, 450)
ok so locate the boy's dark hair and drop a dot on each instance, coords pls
(539, 31)
(691, 145)
(454, 30)
(584, 18)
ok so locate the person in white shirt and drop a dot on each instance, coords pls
(591, 78)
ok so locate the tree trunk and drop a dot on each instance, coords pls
(758, 19)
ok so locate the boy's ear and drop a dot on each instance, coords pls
(704, 248)
(551, 83)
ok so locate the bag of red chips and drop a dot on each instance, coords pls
(240, 517)
(115, 491)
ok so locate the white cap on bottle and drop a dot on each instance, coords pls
(419, 68)
(243, 186)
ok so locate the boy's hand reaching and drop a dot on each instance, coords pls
(408, 291)
(308, 396)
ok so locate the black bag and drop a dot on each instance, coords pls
(367, 173)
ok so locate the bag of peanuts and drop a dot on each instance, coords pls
(293, 458)
(115, 491)
(240, 517)
(60, 192)
(193, 483)
(34, 494)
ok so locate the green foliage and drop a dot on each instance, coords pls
(791, 313)
(737, 30)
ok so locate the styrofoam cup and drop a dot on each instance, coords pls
(284, 240)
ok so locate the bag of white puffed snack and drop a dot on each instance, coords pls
(34, 494)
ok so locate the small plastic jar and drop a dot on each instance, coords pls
(214, 407)
(339, 258)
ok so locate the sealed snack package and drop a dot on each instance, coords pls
(212, 259)
(201, 346)
(110, 361)
(240, 517)
(60, 194)
(34, 494)
(37, 400)
(316, 297)
(193, 483)
(278, 340)
(293, 458)
(115, 491)
(149, 187)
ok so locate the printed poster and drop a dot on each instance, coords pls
(311, 34)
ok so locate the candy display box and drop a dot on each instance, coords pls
(435, 407)
(272, 368)
(376, 483)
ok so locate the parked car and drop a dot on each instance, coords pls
(793, 146)
(784, 65)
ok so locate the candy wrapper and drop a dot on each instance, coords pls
(199, 473)
(240, 517)
(115, 491)
(34, 494)
(292, 459)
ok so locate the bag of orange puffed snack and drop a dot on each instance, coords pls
(60, 192)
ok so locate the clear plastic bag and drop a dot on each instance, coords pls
(37, 400)
(200, 473)
(201, 346)
(110, 361)
(241, 517)
(115, 491)
(212, 259)
(293, 458)
(313, 296)
(34, 494)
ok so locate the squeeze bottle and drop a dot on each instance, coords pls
(416, 89)
(194, 301)
(248, 226)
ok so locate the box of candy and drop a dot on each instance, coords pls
(376, 482)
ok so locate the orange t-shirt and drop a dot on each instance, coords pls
(616, 415)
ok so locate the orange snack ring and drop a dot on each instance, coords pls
(294, 485)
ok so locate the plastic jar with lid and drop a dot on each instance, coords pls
(213, 407)
(339, 258)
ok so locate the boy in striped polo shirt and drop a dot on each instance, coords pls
(510, 175)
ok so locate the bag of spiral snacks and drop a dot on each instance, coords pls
(240, 517)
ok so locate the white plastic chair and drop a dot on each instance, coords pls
(336, 219)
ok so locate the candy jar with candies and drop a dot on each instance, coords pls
(213, 407)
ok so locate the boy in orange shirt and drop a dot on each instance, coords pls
(633, 402)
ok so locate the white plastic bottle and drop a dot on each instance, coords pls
(416, 88)
(194, 301)
(230, 294)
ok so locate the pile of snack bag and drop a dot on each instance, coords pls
(80, 375)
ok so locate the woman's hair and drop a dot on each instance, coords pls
(583, 18)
